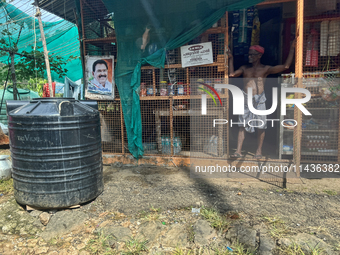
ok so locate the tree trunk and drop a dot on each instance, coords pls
(14, 78)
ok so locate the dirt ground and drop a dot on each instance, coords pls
(305, 206)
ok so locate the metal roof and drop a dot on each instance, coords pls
(66, 9)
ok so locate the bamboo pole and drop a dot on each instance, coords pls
(43, 39)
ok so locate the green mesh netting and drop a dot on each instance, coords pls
(61, 38)
(172, 24)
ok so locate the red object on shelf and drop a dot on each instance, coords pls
(312, 46)
(46, 90)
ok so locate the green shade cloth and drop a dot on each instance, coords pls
(172, 24)
(61, 38)
(23, 94)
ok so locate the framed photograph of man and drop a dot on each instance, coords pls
(99, 78)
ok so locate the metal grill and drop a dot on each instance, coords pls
(321, 49)
(111, 126)
(168, 94)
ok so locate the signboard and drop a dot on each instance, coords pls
(99, 77)
(196, 54)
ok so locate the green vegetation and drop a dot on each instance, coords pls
(295, 249)
(215, 219)
(135, 247)
(100, 245)
(6, 186)
(330, 192)
(277, 227)
(239, 249)
(152, 215)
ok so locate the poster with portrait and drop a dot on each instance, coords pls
(99, 77)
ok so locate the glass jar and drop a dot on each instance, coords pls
(163, 89)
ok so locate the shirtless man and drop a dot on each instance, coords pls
(254, 75)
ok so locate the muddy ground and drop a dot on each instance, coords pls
(133, 192)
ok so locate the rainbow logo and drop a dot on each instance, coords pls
(213, 90)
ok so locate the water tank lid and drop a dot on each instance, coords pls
(53, 106)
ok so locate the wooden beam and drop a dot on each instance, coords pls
(274, 2)
(298, 75)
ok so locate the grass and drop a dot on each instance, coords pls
(215, 219)
(115, 215)
(330, 192)
(288, 190)
(153, 215)
(100, 245)
(181, 251)
(135, 247)
(56, 241)
(277, 226)
(155, 210)
(240, 249)
(6, 186)
(296, 249)
(191, 233)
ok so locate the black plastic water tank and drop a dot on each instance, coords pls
(56, 151)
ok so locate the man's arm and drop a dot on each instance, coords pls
(233, 73)
(286, 65)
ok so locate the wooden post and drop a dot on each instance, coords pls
(226, 76)
(14, 78)
(82, 54)
(298, 75)
(43, 39)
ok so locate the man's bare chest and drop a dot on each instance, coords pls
(255, 73)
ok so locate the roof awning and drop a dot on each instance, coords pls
(67, 9)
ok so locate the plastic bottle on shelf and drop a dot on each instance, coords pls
(180, 89)
(163, 144)
(149, 91)
(142, 89)
(218, 81)
(199, 85)
(177, 145)
(171, 89)
(167, 145)
(187, 89)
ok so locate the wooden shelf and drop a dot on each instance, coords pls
(306, 153)
(101, 40)
(320, 19)
(177, 97)
(312, 130)
(180, 66)
(316, 108)
(319, 153)
(215, 30)
(274, 2)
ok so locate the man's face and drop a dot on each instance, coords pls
(254, 56)
(100, 73)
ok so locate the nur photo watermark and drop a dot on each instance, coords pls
(255, 119)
